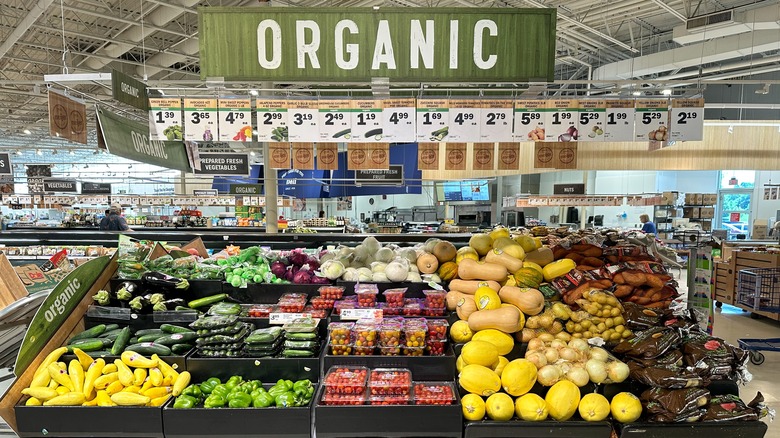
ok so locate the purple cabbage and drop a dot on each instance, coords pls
(303, 276)
(278, 268)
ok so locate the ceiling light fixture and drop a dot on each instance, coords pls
(731, 129)
(253, 92)
(18, 152)
(252, 153)
(637, 93)
(38, 152)
(27, 131)
(764, 89)
(667, 92)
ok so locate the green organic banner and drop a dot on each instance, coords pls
(129, 90)
(56, 308)
(357, 44)
(127, 138)
(246, 189)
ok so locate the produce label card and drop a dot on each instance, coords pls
(165, 119)
(464, 120)
(529, 120)
(687, 122)
(560, 120)
(432, 120)
(200, 119)
(367, 120)
(495, 124)
(235, 120)
(355, 314)
(592, 116)
(284, 318)
(620, 121)
(334, 120)
(652, 120)
(272, 120)
(398, 120)
(303, 120)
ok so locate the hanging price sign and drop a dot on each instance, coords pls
(272, 120)
(651, 120)
(398, 120)
(560, 120)
(432, 120)
(619, 125)
(303, 120)
(464, 120)
(165, 119)
(200, 119)
(235, 120)
(687, 120)
(334, 120)
(591, 117)
(529, 120)
(495, 122)
(367, 120)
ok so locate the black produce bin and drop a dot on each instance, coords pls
(422, 367)
(197, 289)
(92, 421)
(267, 369)
(387, 421)
(540, 429)
(137, 321)
(729, 429)
(264, 293)
(236, 423)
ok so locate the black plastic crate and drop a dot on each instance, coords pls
(267, 369)
(422, 367)
(539, 429)
(264, 293)
(89, 421)
(197, 289)
(726, 429)
(387, 421)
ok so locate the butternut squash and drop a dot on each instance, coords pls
(508, 319)
(466, 307)
(471, 270)
(470, 286)
(452, 299)
(530, 301)
(500, 257)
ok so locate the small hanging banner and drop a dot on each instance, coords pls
(327, 156)
(279, 155)
(565, 155)
(428, 156)
(67, 118)
(483, 156)
(543, 155)
(358, 156)
(379, 155)
(508, 156)
(455, 156)
(303, 156)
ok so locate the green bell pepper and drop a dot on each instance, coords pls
(234, 381)
(184, 402)
(245, 387)
(239, 400)
(208, 386)
(255, 384)
(302, 387)
(214, 401)
(193, 391)
(257, 392)
(279, 388)
(262, 400)
(221, 390)
(285, 400)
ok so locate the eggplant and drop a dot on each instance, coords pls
(127, 290)
(175, 302)
(138, 303)
(164, 281)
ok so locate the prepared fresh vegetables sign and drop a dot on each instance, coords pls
(223, 164)
(357, 44)
(165, 121)
(235, 120)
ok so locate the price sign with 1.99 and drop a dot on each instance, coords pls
(561, 122)
(619, 125)
(235, 120)
(165, 123)
(200, 119)
(398, 121)
(496, 121)
(433, 120)
(303, 120)
(335, 120)
(464, 120)
(687, 120)
(367, 120)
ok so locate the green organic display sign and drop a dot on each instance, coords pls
(357, 44)
(56, 308)
(246, 189)
(129, 90)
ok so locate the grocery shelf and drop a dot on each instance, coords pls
(266, 369)
(741, 429)
(547, 429)
(95, 421)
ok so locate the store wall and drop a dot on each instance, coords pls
(627, 183)
(360, 204)
(715, 93)
(761, 208)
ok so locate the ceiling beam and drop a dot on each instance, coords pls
(671, 10)
(35, 12)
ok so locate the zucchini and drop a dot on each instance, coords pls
(111, 333)
(121, 342)
(176, 338)
(149, 348)
(373, 132)
(440, 131)
(343, 133)
(112, 327)
(181, 349)
(200, 302)
(145, 332)
(89, 344)
(298, 353)
(150, 338)
(90, 333)
(170, 328)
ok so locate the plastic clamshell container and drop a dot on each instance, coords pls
(364, 333)
(260, 310)
(390, 333)
(366, 299)
(363, 351)
(350, 380)
(413, 351)
(390, 381)
(389, 311)
(291, 306)
(366, 287)
(301, 325)
(343, 304)
(389, 351)
(341, 350)
(293, 296)
(434, 312)
(332, 399)
(435, 299)
(391, 399)
(322, 303)
(415, 331)
(435, 348)
(341, 333)
(394, 297)
(315, 313)
(331, 292)
(437, 329)
(434, 393)
(413, 309)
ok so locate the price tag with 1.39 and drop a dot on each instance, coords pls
(165, 121)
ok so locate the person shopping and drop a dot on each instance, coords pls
(647, 225)
(113, 221)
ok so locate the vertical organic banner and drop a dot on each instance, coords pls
(455, 156)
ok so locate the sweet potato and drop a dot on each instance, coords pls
(586, 268)
(635, 278)
(593, 251)
(618, 278)
(623, 290)
(592, 261)
(654, 282)
(574, 256)
(560, 252)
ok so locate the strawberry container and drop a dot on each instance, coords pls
(348, 380)
(390, 381)
(434, 393)
(395, 297)
(331, 292)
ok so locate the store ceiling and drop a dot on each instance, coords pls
(158, 39)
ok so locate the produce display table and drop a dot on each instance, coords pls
(422, 367)
(741, 429)
(79, 422)
(546, 429)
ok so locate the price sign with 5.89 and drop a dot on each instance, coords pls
(235, 120)
(165, 119)
(592, 116)
(272, 120)
(398, 120)
(560, 120)
(367, 120)
(529, 120)
(432, 120)
(495, 124)
(619, 125)
(335, 120)
(651, 120)
(303, 120)
(687, 122)
(200, 119)
(464, 120)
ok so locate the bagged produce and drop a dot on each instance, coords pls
(730, 407)
(214, 322)
(649, 344)
(665, 377)
(671, 358)
(713, 357)
(675, 405)
(225, 309)
(264, 336)
(230, 330)
(223, 339)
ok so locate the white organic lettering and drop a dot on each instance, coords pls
(276, 44)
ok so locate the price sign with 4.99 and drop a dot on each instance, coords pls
(335, 120)
(235, 120)
(464, 120)
(200, 119)
(398, 122)
(303, 120)
(687, 120)
(367, 120)
(651, 120)
(619, 125)
(165, 119)
(272, 120)
(432, 120)
(529, 120)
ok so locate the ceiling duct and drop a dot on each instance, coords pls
(726, 23)
(710, 21)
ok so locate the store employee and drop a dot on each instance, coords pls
(648, 226)
(113, 221)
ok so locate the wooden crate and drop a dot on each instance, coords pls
(724, 277)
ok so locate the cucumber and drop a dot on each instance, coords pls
(145, 332)
(345, 133)
(121, 342)
(373, 132)
(89, 344)
(106, 342)
(181, 349)
(110, 333)
(200, 302)
(91, 333)
(150, 338)
(298, 353)
(133, 340)
(176, 338)
(170, 328)
(149, 348)
(110, 327)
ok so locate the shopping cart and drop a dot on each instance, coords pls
(759, 290)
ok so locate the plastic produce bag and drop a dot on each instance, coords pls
(649, 344)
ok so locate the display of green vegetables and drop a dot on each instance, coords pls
(112, 340)
(239, 393)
